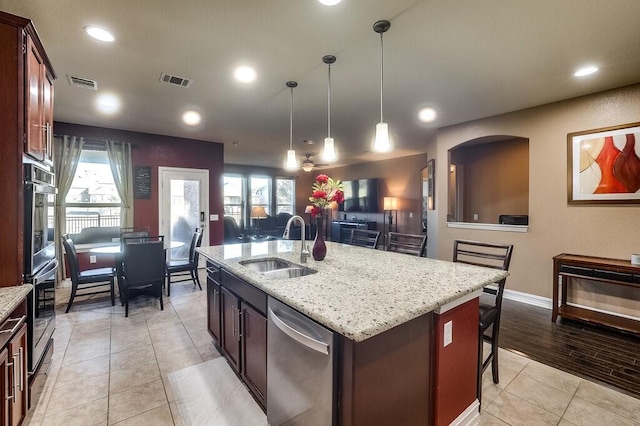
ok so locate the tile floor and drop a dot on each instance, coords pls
(108, 369)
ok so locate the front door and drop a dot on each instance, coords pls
(184, 206)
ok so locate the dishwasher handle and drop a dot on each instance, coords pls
(298, 336)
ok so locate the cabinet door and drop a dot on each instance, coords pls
(35, 133)
(18, 356)
(254, 351)
(4, 386)
(230, 310)
(213, 309)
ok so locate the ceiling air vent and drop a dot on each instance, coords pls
(85, 83)
(173, 79)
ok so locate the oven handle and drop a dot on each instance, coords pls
(47, 273)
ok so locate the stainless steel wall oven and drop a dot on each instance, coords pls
(40, 270)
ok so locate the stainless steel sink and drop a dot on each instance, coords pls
(277, 268)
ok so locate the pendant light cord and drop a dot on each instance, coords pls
(329, 104)
(381, 75)
(291, 123)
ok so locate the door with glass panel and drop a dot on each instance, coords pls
(184, 206)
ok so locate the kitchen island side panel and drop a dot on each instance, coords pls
(386, 379)
(455, 365)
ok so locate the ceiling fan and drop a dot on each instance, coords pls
(308, 164)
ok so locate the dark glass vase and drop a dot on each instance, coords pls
(319, 250)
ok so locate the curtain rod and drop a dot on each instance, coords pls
(95, 142)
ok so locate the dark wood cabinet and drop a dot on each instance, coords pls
(254, 351)
(236, 320)
(230, 313)
(13, 367)
(4, 386)
(23, 114)
(214, 323)
(18, 376)
(38, 105)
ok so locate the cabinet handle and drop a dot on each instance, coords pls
(21, 367)
(49, 139)
(18, 322)
(233, 315)
(215, 304)
(10, 397)
(240, 325)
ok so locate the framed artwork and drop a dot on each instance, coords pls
(604, 165)
(431, 170)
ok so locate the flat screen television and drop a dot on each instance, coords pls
(360, 196)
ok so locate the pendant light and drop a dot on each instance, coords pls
(381, 142)
(329, 150)
(291, 162)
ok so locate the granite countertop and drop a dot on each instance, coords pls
(10, 297)
(357, 292)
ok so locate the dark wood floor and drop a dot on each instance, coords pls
(598, 354)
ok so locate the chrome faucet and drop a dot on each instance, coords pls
(304, 252)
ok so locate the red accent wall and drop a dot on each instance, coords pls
(456, 365)
(158, 150)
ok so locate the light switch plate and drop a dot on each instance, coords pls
(448, 333)
(92, 259)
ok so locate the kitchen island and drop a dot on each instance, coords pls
(389, 311)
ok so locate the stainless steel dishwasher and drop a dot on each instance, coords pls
(300, 369)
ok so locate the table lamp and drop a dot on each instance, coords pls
(258, 212)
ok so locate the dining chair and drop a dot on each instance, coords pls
(407, 243)
(142, 269)
(364, 238)
(87, 279)
(184, 267)
(490, 255)
(133, 232)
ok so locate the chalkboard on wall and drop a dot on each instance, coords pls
(142, 182)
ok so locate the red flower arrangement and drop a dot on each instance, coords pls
(325, 192)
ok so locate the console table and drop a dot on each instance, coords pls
(610, 271)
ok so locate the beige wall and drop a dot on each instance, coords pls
(554, 227)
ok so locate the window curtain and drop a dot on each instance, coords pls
(122, 170)
(66, 156)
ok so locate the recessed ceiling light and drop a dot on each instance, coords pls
(585, 71)
(427, 115)
(100, 34)
(191, 118)
(108, 103)
(329, 2)
(245, 74)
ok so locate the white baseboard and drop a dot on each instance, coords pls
(470, 416)
(529, 299)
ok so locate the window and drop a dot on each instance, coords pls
(260, 188)
(244, 191)
(285, 195)
(234, 198)
(93, 199)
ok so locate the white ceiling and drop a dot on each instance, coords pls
(466, 58)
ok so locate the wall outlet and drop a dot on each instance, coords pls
(92, 259)
(448, 333)
(214, 217)
(410, 215)
(475, 216)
